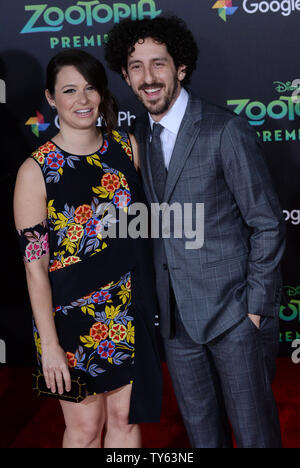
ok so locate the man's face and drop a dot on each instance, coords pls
(152, 75)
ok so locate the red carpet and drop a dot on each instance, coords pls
(29, 422)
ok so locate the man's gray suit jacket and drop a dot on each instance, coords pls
(217, 161)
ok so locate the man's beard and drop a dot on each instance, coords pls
(157, 108)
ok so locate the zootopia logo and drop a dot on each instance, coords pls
(257, 111)
(291, 311)
(49, 19)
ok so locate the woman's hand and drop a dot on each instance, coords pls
(55, 368)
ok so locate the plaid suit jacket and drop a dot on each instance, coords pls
(217, 161)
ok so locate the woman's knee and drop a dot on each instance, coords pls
(84, 432)
(84, 422)
(117, 408)
(118, 415)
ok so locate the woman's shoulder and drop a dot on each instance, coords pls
(40, 153)
(124, 139)
(29, 174)
(120, 135)
(30, 170)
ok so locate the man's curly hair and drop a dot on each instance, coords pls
(171, 31)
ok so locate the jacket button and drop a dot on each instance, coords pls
(165, 266)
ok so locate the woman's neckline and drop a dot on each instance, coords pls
(81, 155)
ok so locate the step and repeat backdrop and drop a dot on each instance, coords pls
(248, 62)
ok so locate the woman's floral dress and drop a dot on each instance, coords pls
(91, 274)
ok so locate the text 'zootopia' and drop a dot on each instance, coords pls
(49, 19)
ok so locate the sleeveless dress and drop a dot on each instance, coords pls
(102, 286)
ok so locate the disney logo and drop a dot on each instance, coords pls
(288, 86)
(292, 291)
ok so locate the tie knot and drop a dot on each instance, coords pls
(156, 130)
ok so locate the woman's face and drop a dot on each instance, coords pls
(77, 102)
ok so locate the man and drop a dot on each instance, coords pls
(218, 304)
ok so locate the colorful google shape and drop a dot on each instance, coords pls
(225, 8)
(37, 124)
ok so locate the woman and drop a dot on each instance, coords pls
(91, 295)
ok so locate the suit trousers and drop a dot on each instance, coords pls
(225, 385)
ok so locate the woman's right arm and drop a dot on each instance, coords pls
(30, 209)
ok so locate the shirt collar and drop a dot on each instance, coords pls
(172, 120)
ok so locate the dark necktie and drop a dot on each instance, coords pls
(157, 162)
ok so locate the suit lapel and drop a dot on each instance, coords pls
(187, 135)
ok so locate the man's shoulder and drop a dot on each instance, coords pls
(214, 117)
(207, 108)
(198, 110)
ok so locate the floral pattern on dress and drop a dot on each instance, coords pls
(52, 161)
(124, 141)
(105, 332)
(52, 158)
(79, 230)
(110, 336)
